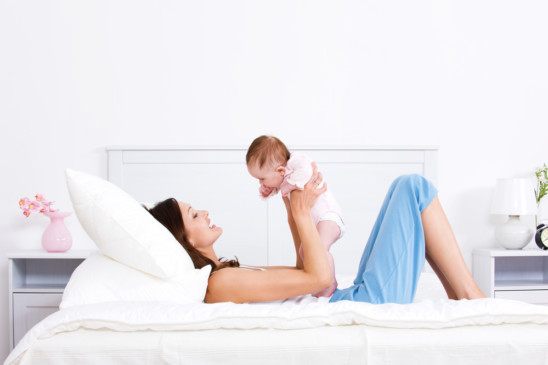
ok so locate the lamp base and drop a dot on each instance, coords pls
(513, 235)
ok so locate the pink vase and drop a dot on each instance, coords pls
(56, 237)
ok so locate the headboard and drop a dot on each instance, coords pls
(256, 231)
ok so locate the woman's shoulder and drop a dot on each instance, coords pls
(218, 281)
(226, 273)
(227, 284)
(229, 274)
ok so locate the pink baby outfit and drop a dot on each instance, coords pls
(297, 173)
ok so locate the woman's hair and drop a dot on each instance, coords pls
(169, 214)
(267, 149)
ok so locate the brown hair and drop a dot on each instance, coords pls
(267, 149)
(169, 214)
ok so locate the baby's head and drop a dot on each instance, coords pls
(266, 159)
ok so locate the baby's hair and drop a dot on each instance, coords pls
(267, 149)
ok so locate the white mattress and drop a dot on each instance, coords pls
(430, 330)
(355, 344)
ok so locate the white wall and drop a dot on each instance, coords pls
(77, 76)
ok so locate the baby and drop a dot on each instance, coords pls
(278, 170)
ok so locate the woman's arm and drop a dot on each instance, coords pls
(294, 232)
(239, 285)
(293, 226)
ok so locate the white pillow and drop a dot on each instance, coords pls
(122, 229)
(99, 279)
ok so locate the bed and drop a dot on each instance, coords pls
(138, 300)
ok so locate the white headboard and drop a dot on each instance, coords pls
(256, 231)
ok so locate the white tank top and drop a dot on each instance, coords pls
(247, 267)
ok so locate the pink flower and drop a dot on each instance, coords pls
(24, 202)
(40, 205)
(35, 206)
(46, 207)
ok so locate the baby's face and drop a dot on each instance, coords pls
(270, 175)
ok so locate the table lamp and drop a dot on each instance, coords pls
(514, 197)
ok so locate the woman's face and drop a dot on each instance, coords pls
(198, 228)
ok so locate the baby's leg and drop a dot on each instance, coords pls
(329, 232)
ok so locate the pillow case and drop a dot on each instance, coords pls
(100, 279)
(122, 229)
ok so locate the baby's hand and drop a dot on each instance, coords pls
(265, 191)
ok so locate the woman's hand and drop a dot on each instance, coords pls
(302, 200)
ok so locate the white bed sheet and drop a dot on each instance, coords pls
(305, 325)
(356, 344)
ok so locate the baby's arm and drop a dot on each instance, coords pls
(294, 232)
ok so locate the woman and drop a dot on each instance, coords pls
(411, 227)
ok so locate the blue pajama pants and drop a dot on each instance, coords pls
(394, 256)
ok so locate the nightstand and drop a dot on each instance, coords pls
(512, 274)
(36, 283)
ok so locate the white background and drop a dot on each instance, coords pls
(76, 76)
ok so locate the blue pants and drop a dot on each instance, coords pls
(394, 256)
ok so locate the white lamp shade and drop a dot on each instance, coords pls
(514, 197)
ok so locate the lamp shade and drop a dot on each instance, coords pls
(514, 197)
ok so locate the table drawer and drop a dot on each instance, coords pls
(530, 296)
(31, 308)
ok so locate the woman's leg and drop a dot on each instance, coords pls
(443, 250)
(448, 289)
(394, 256)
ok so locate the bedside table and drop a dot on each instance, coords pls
(512, 274)
(36, 283)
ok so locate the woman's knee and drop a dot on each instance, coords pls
(418, 186)
(411, 180)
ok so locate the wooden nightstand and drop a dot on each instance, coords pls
(512, 274)
(36, 283)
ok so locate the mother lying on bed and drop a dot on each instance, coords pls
(410, 228)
